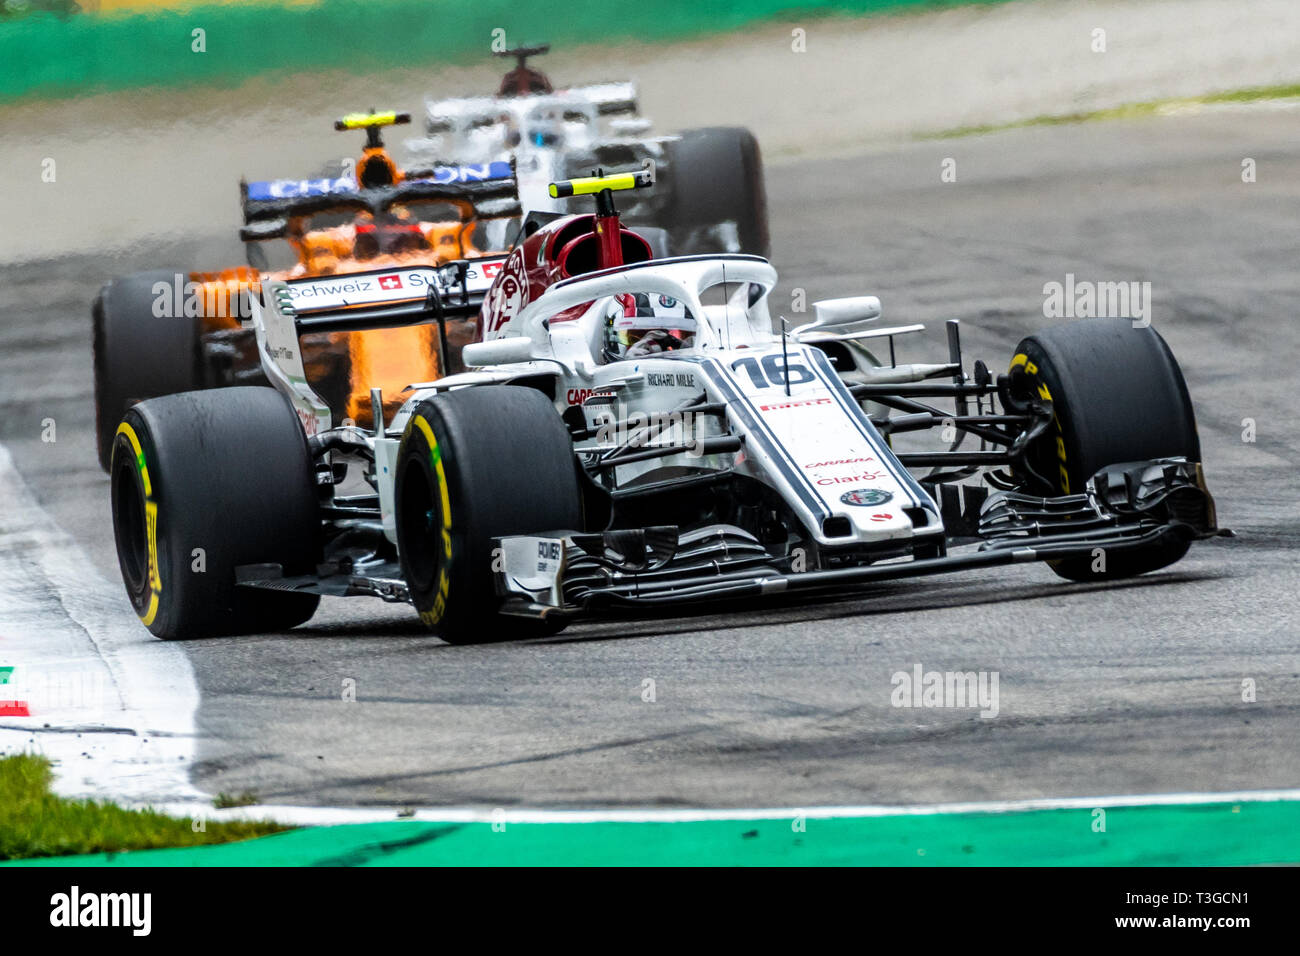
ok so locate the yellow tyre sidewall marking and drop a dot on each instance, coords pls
(1022, 359)
(435, 614)
(151, 525)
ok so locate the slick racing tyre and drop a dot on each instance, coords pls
(717, 177)
(475, 464)
(138, 354)
(1117, 395)
(204, 482)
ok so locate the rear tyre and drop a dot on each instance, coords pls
(138, 354)
(204, 482)
(1118, 396)
(474, 464)
(717, 177)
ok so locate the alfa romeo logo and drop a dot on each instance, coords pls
(509, 294)
(864, 497)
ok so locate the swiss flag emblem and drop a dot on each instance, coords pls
(390, 282)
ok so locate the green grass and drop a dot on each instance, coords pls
(49, 56)
(36, 823)
(246, 799)
(1129, 111)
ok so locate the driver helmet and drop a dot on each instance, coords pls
(646, 324)
(545, 128)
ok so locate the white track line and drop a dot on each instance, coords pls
(326, 816)
(110, 704)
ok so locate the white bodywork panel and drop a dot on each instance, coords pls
(281, 354)
(815, 445)
(802, 433)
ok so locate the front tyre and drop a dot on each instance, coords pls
(477, 464)
(202, 483)
(1118, 396)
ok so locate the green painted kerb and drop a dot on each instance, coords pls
(48, 56)
(1197, 835)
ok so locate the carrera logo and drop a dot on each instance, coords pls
(576, 396)
(390, 282)
(799, 404)
(842, 461)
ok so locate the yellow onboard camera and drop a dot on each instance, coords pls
(592, 185)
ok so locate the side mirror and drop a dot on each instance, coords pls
(841, 313)
(630, 126)
(504, 351)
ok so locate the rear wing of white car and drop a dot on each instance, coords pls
(607, 99)
(611, 99)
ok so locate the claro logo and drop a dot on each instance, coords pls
(74, 908)
(864, 476)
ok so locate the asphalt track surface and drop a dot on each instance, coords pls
(1129, 688)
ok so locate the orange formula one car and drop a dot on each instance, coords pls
(160, 332)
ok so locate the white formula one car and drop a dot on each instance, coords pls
(708, 195)
(636, 435)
